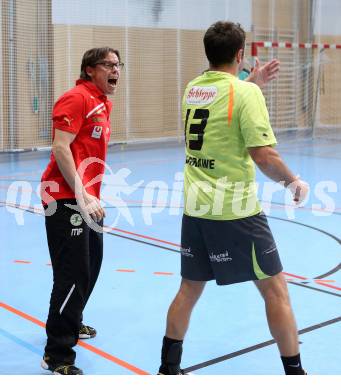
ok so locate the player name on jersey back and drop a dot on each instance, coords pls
(200, 162)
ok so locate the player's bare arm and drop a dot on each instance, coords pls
(271, 164)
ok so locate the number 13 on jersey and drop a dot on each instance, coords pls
(197, 128)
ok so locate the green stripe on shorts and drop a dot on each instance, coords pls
(256, 268)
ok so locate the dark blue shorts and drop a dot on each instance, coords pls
(228, 251)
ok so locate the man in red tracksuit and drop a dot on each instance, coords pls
(71, 197)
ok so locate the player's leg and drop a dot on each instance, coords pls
(279, 313)
(281, 321)
(195, 271)
(273, 287)
(178, 318)
(181, 308)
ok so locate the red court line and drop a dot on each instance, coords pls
(95, 350)
(125, 270)
(22, 314)
(329, 286)
(112, 358)
(324, 281)
(39, 211)
(22, 261)
(163, 273)
(143, 236)
(295, 276)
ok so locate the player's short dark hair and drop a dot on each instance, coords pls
(92, 56)
(222, 42)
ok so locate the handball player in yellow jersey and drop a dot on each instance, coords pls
(225, 235)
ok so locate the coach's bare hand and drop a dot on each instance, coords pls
(93, 207)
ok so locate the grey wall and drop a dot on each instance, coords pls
(185, 14)
(327, 20)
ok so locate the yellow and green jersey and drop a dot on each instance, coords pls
(223, 116)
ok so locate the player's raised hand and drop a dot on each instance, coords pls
(262, 74)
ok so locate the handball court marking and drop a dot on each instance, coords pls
(82, 344)
(166, 273)
(212, 361)
(109, 230)
(256, 347)
(138, 371)
(158, 273)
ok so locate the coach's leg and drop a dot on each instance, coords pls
(68, 248)
(281, 321)
(95, 262)
(178, 317)
(96, 255)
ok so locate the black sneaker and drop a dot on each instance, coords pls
(60, 369)
(87, 332)
(171, 359)
(169, 370)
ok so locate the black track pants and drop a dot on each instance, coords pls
(76, 253)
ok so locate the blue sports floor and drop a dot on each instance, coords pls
(228, 333)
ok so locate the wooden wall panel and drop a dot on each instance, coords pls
(159, 64)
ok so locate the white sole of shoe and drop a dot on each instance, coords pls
(83, 336)
(45, 366)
